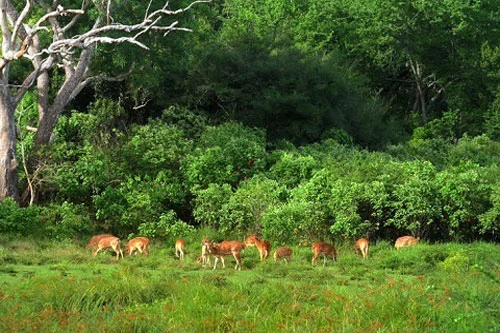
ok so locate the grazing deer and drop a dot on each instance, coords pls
(140, 244)
(112, 242)
(284, 253)
(204, 258)
(225, 248)
(95, 239)
(323, 249)
(264, 247)
(405, 241)
(179, 248)
(362, 245)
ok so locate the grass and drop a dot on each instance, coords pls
(49, 287)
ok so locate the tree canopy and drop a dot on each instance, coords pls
(294, 119)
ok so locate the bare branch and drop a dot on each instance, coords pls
(20, 20)
(95, 78)
(75, 18)
(58, 12)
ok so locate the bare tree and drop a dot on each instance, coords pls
(71, 52)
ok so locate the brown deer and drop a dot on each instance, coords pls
(284, 253)
(179, 248)
(225, 248)
(112, 242)
(362, 245)
(323, 249)
(95, 239)
(406, 241)
(140, 244)
(264, 247)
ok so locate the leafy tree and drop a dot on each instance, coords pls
(490, 220)
(292, 169)
(415, 200)
(209, 203)
(228, 153)
(245, 209)
(463, 192)
(293, 94)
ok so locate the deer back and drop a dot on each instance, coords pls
(226, 247)
(362, 243)
(95, 240)
(323, 248)
(283, 252)
(405, 241)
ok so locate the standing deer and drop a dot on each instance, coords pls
(204, 258)
(284, 253)
(323, 249)
(264, 247)
(179, 248)
(362, 245)
(112, 242)
(225, 248)
(406, 241)
(95, 239)
(140, 244)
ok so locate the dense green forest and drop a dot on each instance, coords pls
(298, 120)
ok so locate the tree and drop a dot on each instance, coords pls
(51, 37)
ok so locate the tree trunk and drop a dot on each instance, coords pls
(8, 161)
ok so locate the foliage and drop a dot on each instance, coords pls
(463, 192)
(228, 153)
(415, 203)
(260, 120)
(293, 94)
(168, 225)
(209, 203)
(66, 221)
(490, 219)
(17, 220)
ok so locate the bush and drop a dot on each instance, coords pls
(14, 219)
(66, 221)
(168, 225)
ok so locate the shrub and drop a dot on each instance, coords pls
(168, 225)
(66, 221)
(14, 219)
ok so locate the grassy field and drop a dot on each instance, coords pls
(59, 287)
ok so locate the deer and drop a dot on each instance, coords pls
(179, 248)
(406, 241)
(323, 249)
(225, 248)
(362, 245)
(284, 253)
(264, 247)
(204, 258)
(140, 244)
(112, 242)
(95, 239)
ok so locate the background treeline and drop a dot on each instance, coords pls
(298, 120)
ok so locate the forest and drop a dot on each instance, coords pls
(296, 120)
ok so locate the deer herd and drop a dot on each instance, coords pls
(227, 248)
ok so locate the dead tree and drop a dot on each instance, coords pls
(73, 53)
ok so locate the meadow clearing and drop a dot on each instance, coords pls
(48, 286)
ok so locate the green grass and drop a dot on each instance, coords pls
(60, 287)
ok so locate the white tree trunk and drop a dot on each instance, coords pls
(8, 161)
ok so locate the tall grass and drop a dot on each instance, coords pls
(49, 287)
